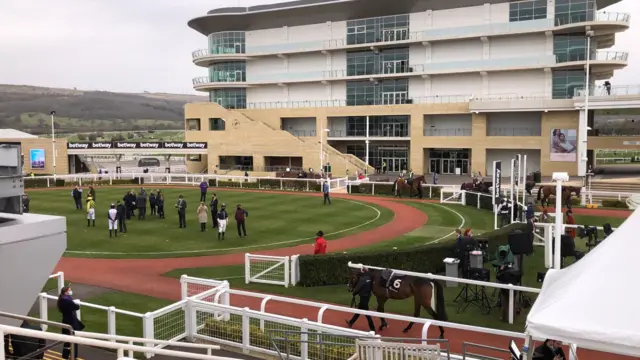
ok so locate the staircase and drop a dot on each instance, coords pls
(340, 165)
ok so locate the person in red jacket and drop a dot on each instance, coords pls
(321, 244)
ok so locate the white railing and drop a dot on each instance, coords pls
(87, 341)
(512, 288)
(633, 201)
(265, 269)
(59, 276)
(452, 196)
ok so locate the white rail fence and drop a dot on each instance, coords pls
(206, 312)
(273, 270)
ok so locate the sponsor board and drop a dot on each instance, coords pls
(124, 145)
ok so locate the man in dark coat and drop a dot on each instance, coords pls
(141, 203)
(181, 206)
(160, 204)
(25, 203)
(241, 215)
(130, 204)
(77, 197)
(363, 290)
(549, 350)
(122, 216)
(213, 207)
(153, 202)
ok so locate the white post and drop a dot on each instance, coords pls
(366, 142)
(524, 181)
(53, 141)
(321, 151)
(582, 129)
(512, 189)
(559, 178)
(247, 269)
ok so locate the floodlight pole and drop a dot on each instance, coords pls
(53, 141)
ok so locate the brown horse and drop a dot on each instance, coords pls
(387, 286)
(544, 192)
(402, 184)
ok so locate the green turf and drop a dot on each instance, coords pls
(275, 221)
(439, 218)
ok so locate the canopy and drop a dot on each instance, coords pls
(594, 302)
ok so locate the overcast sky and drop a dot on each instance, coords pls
(142, 45)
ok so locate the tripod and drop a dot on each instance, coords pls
(476, 295)
(523, 299)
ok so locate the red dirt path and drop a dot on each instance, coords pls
(144, 276)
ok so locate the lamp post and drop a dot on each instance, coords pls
(322, 148)
(582, 167)
(53, 141)
(559, 178)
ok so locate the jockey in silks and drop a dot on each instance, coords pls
(410, 177)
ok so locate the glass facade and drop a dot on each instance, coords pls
(390, 61)
(379, 126)
(387, 28)
(565, 83)
(395, 156)
(233, 71)
(571, 47)
(574, 11)
(446, 161)
(527, 10)
(228, 42)
(385, 92)
(229, 98)
(216, 124)
(193, 124)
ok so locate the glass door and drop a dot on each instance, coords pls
(388, 35)
(388, 129)
(392, 98)
(395, 34)
(434, 166)
(395, 67)
(238, 76)
(238, 48)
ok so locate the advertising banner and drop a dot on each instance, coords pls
(143, 145)
(37, 158)
(564, 145)
(497, 180)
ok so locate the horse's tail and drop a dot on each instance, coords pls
(440, 306)
(539, 193)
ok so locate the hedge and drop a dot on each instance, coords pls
(270, 184)
(333, 269)
(614, 203)
(471, 199)
(387, 190)
(227, 330)
(42, 183)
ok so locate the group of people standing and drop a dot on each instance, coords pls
(219, 217)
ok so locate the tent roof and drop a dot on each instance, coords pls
(15, 134)
(594, 302)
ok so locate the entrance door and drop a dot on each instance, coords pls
(238, 48)
(463, 164)
(435, 166)
(448, 166)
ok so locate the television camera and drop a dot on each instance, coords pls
(472, 254)
(591, 233)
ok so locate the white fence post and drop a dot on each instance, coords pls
(60, 281)
(247, 269)
(184, 287)
(148, 331)
(246, 330)
(111, 321)
(304, 339)
(44, 309)
(190, 320)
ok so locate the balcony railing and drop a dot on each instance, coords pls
(596, 56)
(302, 133)
(603, 16)
(218, 50)
(617, 90)
(220, 78)
(513, 132)
(447, 132)
(512, 96)
(372, 133)
(616, 132)
(434, 99)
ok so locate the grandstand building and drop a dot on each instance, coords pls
(435, 86)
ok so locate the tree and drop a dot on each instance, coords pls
(93, 137)
(130, 136)
(82, 137)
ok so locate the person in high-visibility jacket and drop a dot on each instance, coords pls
(91, 212)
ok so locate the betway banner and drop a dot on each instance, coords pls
(136, 145)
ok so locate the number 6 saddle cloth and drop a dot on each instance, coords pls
(393, 281)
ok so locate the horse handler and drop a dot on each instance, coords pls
(363, 289)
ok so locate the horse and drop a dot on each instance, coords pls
(476, 185)
(528, 186)
(544, 192)
(415, 184)
(404, 287)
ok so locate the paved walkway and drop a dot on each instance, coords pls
(144, 276)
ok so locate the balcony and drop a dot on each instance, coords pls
(602, 23)
(399, 132)
(447, 132)
(617, 90)
(435, 99)
(206, 57)
(513, 132)
(302, 133)
(206, 83)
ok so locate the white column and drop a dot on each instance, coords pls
(366, 142)
(486, 12)
(53, 141)
(582, 142)
(427, 85)
(551, 9)
(485, 83)
(486, 48)
(559, 178)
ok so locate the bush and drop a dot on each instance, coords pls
(332, 269)
(575, 201)
(229, 331)
(387, 190)
(614, 203)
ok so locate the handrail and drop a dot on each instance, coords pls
(35, 320)
(4, 329)
(96, 306)
(92, 335)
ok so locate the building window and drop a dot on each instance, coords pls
(387, 92)
(196, 158)
(361, 63)
(387, 28)
(527, 10)
(394, 61)
(574, 11)
(360, 93)
(228, 42)
(571, 47)
(216, 124)
(566, 82)
(356, 126)
(193, 124)
(229, 98)
(233, 71)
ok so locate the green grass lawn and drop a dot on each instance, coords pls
(275, 221)
(442, 221)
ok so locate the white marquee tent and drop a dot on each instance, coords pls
(594, 302)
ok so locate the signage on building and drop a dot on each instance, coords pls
(123, 145)
(497, 180)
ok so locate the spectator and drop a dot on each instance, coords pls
(549, 350)
(571, 231)
(320, 247)
(203, 215)
(68, 308)
(204, 185)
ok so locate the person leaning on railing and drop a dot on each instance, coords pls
(68, 308)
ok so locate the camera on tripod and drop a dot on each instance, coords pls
(591, 233)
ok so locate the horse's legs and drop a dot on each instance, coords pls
(416, 312)
(380, 309)
(433, 314)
